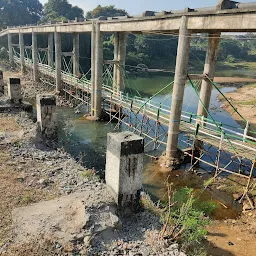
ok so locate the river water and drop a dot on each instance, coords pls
(86, 140)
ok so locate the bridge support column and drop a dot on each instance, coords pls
(57, 37)
(34, 56)
(22, 60)
(172, 153)
(124, 166)
(93, 41)
(76, 54)
(11, 59)
(50, 49)
(209, 70)
(120, 56)
(98, 71)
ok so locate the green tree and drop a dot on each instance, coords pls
(61, 10)
(108, 11)
(19, 12)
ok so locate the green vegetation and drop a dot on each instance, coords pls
(156, 51)
(186, 219)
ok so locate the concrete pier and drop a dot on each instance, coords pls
(22, 60)
(57, 37)
(50, 49)
(35, 57)
(93, 41)
(75, 54)
(119, 56)
(209, 69)
(11, 59)
(124, 165)
(46, 107)
(14, 90)
(98, 71)
(178, 93)
(1, 83)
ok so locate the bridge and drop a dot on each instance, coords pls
(102, 88)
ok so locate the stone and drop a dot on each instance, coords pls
(124, 165)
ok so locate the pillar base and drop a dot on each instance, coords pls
(172, 163)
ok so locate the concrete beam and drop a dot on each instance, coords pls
(50, 49)
(76, 54)
(11, 59)
(231, 20)
(124, 166)
(178, 93)
(98, 71)
(22, 60)
(57, 37)
(209, 69)
(35, 57)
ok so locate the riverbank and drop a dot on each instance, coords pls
(244, 100)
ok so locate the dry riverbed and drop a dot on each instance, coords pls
(244, 99)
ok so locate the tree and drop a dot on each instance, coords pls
(61, 10)
(108, 11)
(19, 12)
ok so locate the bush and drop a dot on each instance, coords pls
(230, 59)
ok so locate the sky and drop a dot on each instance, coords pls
(134, 7)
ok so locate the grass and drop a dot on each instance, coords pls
(246, 103)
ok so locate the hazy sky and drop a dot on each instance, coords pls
(138, 6)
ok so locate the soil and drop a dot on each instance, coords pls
(244, 100)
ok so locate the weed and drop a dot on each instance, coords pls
(90, 174)
(26, 199)
(186, 219)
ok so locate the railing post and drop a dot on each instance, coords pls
(75, 54)
(50, 49)
(34, 56)
(98, 71)
(57, 37)
(11, 59)
(209, 70)
(246, 131)
(22, 60)
(178, 93)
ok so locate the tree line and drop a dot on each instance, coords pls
(156, 51)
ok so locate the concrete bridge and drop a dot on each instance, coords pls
(227, 16)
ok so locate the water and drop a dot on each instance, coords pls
(86, 140)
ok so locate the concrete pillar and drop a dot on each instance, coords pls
(116, 49)
(1, 83)
(124, 166)
(14, 90)
(93, 41)
(76, 54)
(35, 56)
(50, 49)
(119, 55)
(11, 59)
(209, 69)
(98, 71)
(22, 60)
(46, 119)
(57, 37)
(178, 92)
